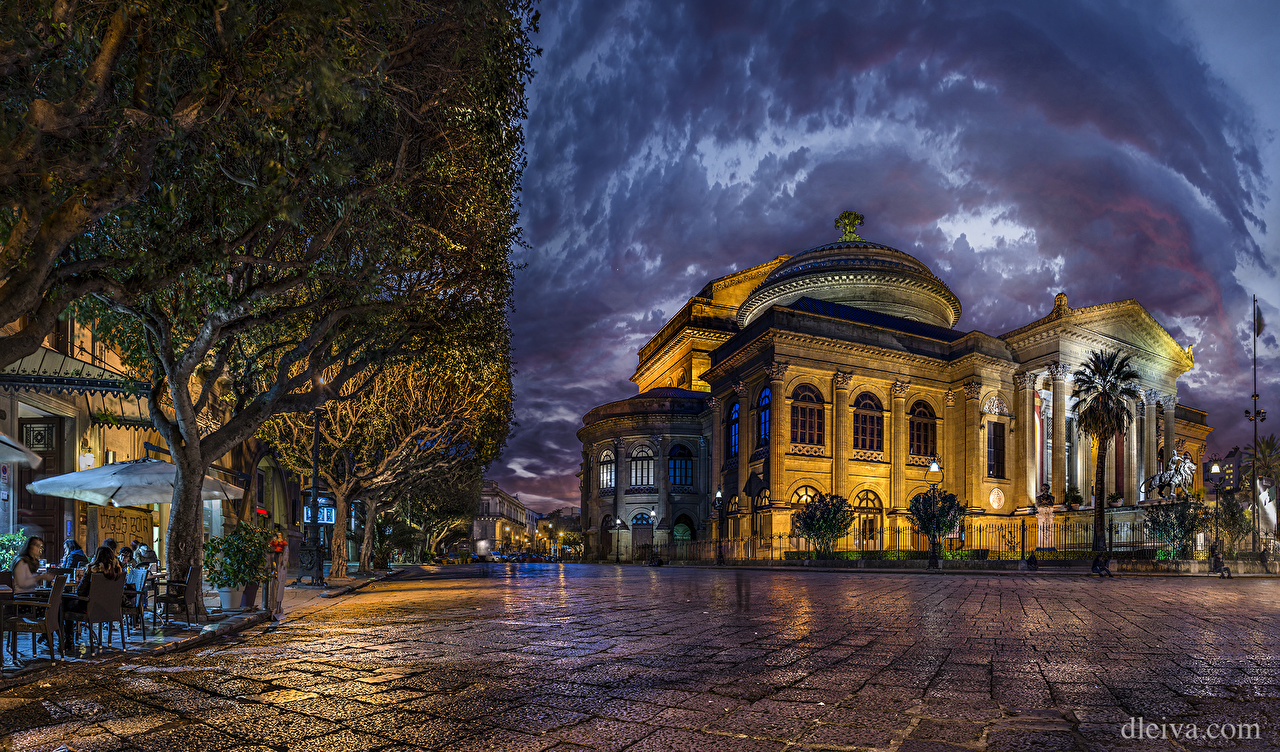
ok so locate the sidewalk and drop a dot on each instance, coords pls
(175, 634)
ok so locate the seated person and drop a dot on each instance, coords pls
(104, 564)
(145, 556)
(27, 576)
(75, 556)
(1032, 562)
(1100, 567)
(1218, 567)
(111, 544)
(126, 558)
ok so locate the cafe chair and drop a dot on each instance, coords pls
(103, 606)
(135, 601)
(6, 579)
(178, 594)
(46, 621)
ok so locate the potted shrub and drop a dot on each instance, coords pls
(1116, 499)
(236, 561)
(1074, 498)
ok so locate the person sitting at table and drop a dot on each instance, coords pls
(111, 544)
(75, 556)
(145, 556)
(126, 559)
(105, 565)
(27, 576)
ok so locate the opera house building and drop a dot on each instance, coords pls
(839, 370)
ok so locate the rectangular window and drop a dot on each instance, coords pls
(731, 438)
(995, 450)
(806, 425)
(641, 471)
(681, 471)
(923, 439)
(606, 475)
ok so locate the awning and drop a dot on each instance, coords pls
(119, 411)
(51, 371)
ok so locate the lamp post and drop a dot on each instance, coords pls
(617, 528)
(933, 477)
(720, 525)
(1215, 477)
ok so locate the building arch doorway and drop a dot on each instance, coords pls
(684, 530)
(641, 530)
(866, 533)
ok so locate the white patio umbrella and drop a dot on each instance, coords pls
(12, 450)
(131, 483)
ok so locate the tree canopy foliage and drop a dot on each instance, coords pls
(1176, 524)
(359, 211)
(823, 521)
(1105, 384)
(935, 514)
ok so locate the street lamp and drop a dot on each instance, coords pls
(1215, 477)
(720, 520)
(1255, 417)
(617, 528)
(934, 476)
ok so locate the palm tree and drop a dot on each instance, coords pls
(1103, 386)
(1265, 458)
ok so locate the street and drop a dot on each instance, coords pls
(575, 657)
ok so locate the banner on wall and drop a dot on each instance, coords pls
(124, 524)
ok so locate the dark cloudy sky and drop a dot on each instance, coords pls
(1020, 149)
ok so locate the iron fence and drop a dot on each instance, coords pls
(988, 539)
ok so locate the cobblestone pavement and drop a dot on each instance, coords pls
(575, 657)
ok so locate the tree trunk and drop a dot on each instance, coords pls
(1099, 494)
(366, 547)
(341, 521)
(184, 548)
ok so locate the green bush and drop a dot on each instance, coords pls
(238, 558)
(10, 546)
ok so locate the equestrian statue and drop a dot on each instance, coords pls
(1177, 475)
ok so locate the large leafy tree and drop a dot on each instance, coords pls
(1233, 520)
(1105, 384)
(1176, 524)
(364, 434)
(208, 118)
(393, 240)
(824, 520)
(935, 514)
(443, 504)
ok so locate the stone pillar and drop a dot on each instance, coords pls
(840, 436)
(1024, 446)
(898, 445)
(954, 451)
(1109, 486)
(744, 447)
(662, 525)
(1170, 408)
(1058, 481)
(715, 474)
(619, 485)
(975, 446)
(1131, 459)
(1087, 481)
(1150, 397)
(777, 442)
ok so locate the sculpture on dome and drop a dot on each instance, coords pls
(1178, 475)
(849, 221)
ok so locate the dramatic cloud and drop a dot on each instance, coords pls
(1019, 149)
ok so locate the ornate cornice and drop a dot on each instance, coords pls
(1151, 397)
(1024, 380)
(713, 403)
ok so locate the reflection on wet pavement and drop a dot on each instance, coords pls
(572, 657)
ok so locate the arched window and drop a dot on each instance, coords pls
(731, 433)
(923, 441)
(762, 436)
(868, 423)
(803, 495)
(641, 467)
(607, 466)
(642, 518)
(680, 465)
(806, 416)
(866, 507)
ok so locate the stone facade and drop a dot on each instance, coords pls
(838, 370)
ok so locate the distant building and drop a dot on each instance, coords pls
(503, 524)
(1230, 467)
(839, 370)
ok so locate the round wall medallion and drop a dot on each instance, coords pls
(996, 498)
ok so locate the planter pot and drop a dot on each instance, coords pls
(230, 597)
(250, 597)
(1116, 503)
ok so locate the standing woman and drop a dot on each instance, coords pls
(279, 546)
(26, 567)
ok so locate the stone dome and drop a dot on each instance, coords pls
(859, 274)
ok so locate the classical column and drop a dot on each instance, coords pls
(975, 446)
(954, 452)
(715, 473)
(619, 478)
(1058, 482)
(840, 435)
(1109, 486)
(744, 448)
(1150, 397)
(777, 442)
(1087, 482)
(898, 446)
(1170, 408)
(661, 447)
(1024, 447)
(1131, 459)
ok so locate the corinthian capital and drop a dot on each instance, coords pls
(1151, 396)
(900, 389)
(1059, 371)
(740, 389)
(1169, 401)
(842, 379)
(973, 390)
(713, 403)
(1024, 380)
(777, 371)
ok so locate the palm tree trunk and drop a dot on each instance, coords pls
(1100, 493)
